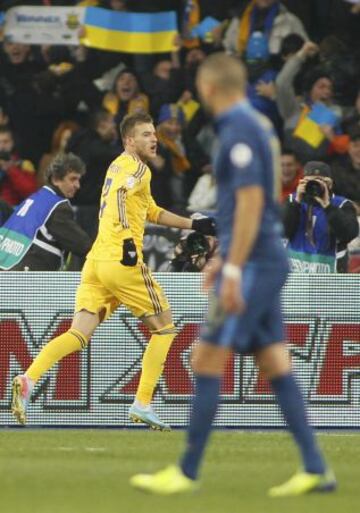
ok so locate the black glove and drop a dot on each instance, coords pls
(130, 257)
(204, 225)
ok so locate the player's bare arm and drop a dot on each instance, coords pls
(204, 225)
(167, 218)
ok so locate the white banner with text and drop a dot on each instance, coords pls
(97, 386)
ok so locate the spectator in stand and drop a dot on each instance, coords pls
(115, 5)
(171, 163)
(178, 152)
(59, 92)
(318, 224)
(293, 109)
(267, 21)
(18, 68)
(97, 146)
(341, 63)
(203, 196)
(352, 117)
(17, 176)
(193, 11)
(4, 118)
(346, 170)
(125, 97)
(291, 173)
(162, 84)
(60, 139)
(261, 77)
(290, 45)
(5, 211)
(193, 58)
(44, 224)
(345, 21)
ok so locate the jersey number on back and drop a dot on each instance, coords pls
(106, 190)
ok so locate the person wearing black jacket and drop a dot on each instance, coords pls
(97, 147)
(49, 214)
(318, 224)
(5, 211)
(346, 169)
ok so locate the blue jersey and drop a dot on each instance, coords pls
(249, 154)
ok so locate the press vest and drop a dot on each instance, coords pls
(20, 231)
(318, 255)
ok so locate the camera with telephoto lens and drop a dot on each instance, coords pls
(191, 253)
(313, 189)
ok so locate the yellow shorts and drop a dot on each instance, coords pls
(107, 285)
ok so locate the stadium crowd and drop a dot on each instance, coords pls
(298, 53)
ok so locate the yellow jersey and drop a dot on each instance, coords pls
(125, 206)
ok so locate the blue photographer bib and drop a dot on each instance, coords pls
(319, 254)
(20, 230)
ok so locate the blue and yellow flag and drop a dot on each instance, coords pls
(130, 32)
(309, 126)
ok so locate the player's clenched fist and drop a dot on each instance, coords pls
(130, 257)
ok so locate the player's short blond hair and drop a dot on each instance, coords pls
(130, 121)
(225, 71)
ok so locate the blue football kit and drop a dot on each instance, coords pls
(249, 155)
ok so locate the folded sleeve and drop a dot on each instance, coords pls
(154, 211)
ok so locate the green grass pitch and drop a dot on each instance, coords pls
(87, 471)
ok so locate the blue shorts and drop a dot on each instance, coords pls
(261, 323)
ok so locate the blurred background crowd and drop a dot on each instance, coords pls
(298, 53)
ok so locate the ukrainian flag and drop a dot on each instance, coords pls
(129, 32)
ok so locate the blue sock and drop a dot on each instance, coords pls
(203, 412)
(293, 409)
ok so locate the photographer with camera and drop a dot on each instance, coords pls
(318, 224)
(193, 252)
(17, 176)
(42, 230)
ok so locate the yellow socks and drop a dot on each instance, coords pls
(70, 341)
(73, 340)
(153, 362)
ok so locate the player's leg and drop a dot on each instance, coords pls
(74, 339)
(136, 288)
(208, 364)
(163, 333)
(274, 363)
(92, 304)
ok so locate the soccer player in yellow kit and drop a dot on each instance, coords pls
(114, 273)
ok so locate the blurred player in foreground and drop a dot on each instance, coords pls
(245, 313)
(115, 274)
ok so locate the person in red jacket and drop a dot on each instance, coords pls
(291, 173)
(17, 176)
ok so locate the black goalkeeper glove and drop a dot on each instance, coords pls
(204, 225)
(130, 257)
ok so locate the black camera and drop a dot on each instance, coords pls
(191, 253)
(313, 189)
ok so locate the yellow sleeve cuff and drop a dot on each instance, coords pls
(154, 214)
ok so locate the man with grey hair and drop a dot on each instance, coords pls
(42, 228)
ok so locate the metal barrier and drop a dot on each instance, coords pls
(95, 387)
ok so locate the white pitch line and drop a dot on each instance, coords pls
(72, 449)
